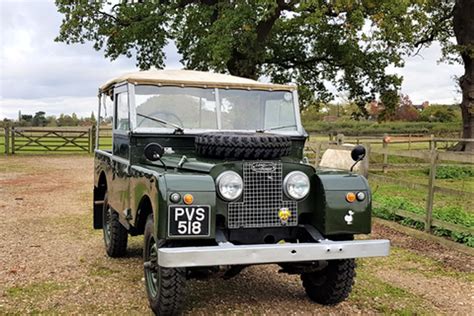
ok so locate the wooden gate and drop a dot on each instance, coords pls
(57, 140)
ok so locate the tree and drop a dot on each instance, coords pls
(306, 42)
(39, 119)
(445, 20)
(406, 111)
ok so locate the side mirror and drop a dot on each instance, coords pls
(358, 153)
(153, 151)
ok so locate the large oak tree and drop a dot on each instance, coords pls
(347, 43)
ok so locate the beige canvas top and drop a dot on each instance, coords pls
(193, 78)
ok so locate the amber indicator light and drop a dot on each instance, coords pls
(188, 199)
(350, 197)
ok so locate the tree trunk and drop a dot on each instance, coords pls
(464, 31)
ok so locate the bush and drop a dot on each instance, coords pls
(453, 172)
(350, 127)
(441, 113)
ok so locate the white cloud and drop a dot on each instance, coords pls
(38, 74)
(427, 80)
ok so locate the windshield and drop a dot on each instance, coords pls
(209, 108)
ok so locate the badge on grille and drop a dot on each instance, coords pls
(284, 214)
(263, 166)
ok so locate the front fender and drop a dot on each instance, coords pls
(202, 188)
(334, 215)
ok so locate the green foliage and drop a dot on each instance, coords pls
(453, 172)
(40, 119)
(313, 123)
(441, 113)
(386, 205)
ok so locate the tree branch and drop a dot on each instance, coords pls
(434, 32)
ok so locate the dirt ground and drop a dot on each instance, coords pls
(52, 261)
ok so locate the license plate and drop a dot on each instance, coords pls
(189, 220)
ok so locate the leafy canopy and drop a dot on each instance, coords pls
(347, 43)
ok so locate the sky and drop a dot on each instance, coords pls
(38, 74)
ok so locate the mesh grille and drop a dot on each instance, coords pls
(263, 198)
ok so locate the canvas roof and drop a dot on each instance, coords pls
(195, 79)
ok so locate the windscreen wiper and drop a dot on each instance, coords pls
(177, 129)
(274, 128)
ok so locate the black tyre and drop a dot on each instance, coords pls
(115, 235)
(331, 285)
(242, 145)
(165, 287)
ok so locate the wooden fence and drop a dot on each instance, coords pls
(3, 139)
(432, 156)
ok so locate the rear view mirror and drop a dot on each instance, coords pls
(358, 153)
(153, 151)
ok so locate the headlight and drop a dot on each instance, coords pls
(229, 185)
(296, 185)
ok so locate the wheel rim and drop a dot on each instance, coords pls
(151, 272)
(106, 224)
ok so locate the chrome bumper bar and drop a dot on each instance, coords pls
(230, 254)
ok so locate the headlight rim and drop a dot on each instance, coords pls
(285, 185)
(219, 179)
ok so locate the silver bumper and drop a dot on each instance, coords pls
(229, 254)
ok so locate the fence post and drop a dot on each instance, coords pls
(385, 154)
(430, 200)
(91, 139)
(409, 141)
(432, 144)
(7, 140)
(364, 164)
(13, 140)
(318, 153)
(340, 139)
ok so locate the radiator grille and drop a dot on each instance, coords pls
(262, 198)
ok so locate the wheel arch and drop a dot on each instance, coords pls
(145, 208)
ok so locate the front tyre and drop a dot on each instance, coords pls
(115, 235)
(165, 287)
(331, 285)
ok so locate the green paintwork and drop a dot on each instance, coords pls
(131, 179)
(326, 205)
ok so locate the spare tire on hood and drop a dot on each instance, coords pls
(242, 145)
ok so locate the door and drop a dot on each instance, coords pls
(120, 193)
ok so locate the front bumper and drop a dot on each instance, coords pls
(230, 254)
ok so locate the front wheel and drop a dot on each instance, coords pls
(115, 235)
(165, 287)
(331, 285)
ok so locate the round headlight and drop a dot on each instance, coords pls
(296, 185)
(229, 185)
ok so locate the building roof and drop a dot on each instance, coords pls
(192, 78)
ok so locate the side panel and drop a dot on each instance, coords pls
(117, 176)
(143, 183)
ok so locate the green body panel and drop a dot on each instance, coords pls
(131, 180)
(332, 207)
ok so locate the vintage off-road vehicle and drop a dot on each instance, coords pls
(210, 169)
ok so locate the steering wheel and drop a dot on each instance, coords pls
(160, 114)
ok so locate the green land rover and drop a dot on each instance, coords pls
(210, 168)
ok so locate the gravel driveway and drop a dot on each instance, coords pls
(52, 261)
